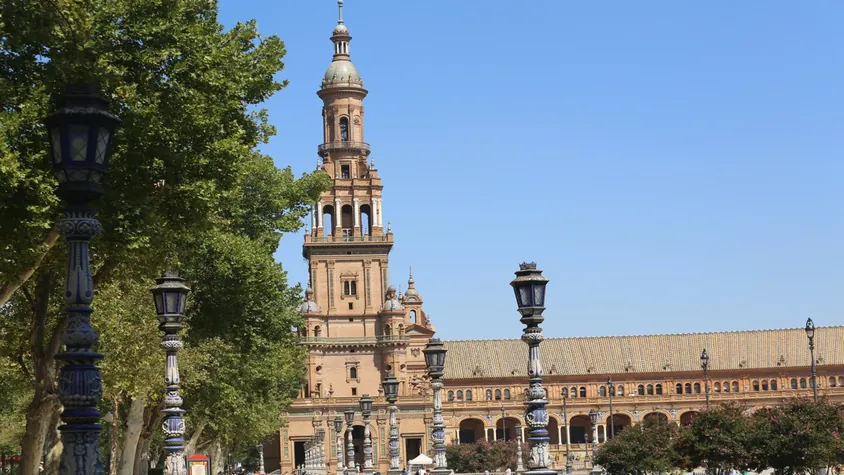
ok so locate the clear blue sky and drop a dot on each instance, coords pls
(671, 166)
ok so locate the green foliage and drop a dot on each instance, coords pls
(483, 455)
(187, 189)
(797, 436)
(643, 448)
(718, 439)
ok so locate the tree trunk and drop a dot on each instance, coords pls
(134, 427)
(39, 415)
(54, 446)
(152, 418)
(8, 289)
(113, 436)
(45, 402)
(218, 459)
(190, 448)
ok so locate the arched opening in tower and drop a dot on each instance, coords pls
(365, 220)
(328, 219)
(347, 217)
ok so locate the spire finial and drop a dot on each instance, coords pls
(340, 12)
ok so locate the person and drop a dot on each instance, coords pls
(421, 471)
(507, 472)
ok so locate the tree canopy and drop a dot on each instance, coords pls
(188, 189)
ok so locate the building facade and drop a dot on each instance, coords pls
(358, 329)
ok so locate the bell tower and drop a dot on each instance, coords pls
(348, 247)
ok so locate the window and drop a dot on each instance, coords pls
(354, 391)
(317, 331)
(459, 395)
(658, 389)
(688, 388)
(451, 396)
(351, 306)
(679, 388)
(650, 390)
(583, 391)
(832, 381)
(793, 383)
(344, 129)
(841, 381)
(345, 172)
(602, 391)
(573, 391)
(773, 385)
(413, 316)
(640, 391)
(697, 388)
(620, 390)
(735, 386)
(468, 394)
(726, 386)
(489, 394)
(717, 388)
(350, 287)
(802, 383)
(497, 394)
(756, 385)
(764, 385)
(506, 394)
(353, 373)
(388, 330)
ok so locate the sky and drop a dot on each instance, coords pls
(672, 167)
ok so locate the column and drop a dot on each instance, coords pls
(375, 213)
(338, 218)
(357, 213)
(380, 214)
(319, 214)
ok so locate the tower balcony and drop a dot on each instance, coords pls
(344, 146)
(382, 340)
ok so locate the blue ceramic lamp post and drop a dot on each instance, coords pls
(80, 132)
(529, 286)
(170, 295)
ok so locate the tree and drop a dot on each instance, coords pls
(718, 439)
(186, 90)
(643, 448)
(481, 456)
(797, 437)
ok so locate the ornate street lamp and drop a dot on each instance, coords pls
(170, 295)
(80, 135)
(366, 410)
(435, 362)
(704, 363)
(810, 333)
(391, 392)
(350, 444)
(610, 391)
(529, 287)
(593, 419)
(569, 466)
(261, 459)
(338, 433)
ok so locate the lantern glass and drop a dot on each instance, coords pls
(56, 142)
(593, 417)
(338, 424)
(350, 416)
(523, 295)
(159, 304)
(810, 328)
(78, 142)
(365, 403)
(102, 145)
(391, 386)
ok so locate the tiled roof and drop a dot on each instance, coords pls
(645, 353)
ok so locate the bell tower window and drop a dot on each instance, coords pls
(344, 129)
(350, 287)
(345, 172)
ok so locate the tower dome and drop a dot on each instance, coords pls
(341, 72)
